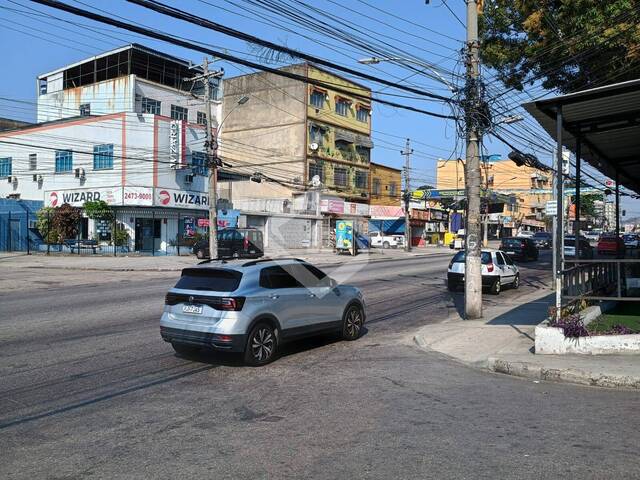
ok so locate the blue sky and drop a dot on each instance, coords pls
(428, 33)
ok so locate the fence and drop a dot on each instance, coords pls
(75, 231)
(602, 279)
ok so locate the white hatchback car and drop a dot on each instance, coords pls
(498, 270)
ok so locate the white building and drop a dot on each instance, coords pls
(120, 127)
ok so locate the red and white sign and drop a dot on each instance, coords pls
(203, 222)
(78, 197)
(386, 211)
(168, 197)
(138, 196)
(331, 206)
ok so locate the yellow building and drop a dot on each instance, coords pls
(530, 186)
(386, 185)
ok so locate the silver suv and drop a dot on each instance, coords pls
(253, 307)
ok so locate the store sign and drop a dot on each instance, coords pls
(203, 222)
(138, 196)
(551, 208)
(353, 208)
(189, 227)
(168, 197)
(78, 197)
(228, 218)
(176, 142)
(419, 214)
(331, 206)
(386, 211)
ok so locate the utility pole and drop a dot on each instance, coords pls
(473, 273)
(212, 156)
(407, 194)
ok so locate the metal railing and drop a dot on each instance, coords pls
(602, 279)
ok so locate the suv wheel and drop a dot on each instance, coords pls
(352, 323)
(496, 287)
(386, 245)
(261, 345)
(516, 281)
(185, 350)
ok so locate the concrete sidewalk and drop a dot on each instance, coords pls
(503, 342)
(161, 263)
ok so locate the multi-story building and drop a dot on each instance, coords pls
(530, 188)
(121, 127)
(291, 133)
(386, 185)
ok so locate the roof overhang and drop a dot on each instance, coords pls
(607, 120)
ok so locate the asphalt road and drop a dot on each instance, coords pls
(89, 390)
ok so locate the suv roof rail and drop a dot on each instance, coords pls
(263, 260)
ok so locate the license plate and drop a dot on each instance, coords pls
(192, 309)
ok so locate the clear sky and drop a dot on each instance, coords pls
(34, 43)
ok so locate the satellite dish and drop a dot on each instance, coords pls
(313, 146)
(315, 181)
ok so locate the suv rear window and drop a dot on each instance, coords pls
(210, 279)
(513, 242)
(460, 257)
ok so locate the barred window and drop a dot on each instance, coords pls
(64, 161)
(179, 113)
(362, 179)
(103, 157)
(316, 169)
(199, 163)
(149, 105)
(340, 177)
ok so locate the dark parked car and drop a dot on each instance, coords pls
(542, 239)
(233, 243)
(519, 248)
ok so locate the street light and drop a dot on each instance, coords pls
(434, 74)
(510, 119)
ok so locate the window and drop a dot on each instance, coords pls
(460, 257)
(103, 157)
(342, 107)
(307, 275)
(316, 169)
(277, 277)
(64, 161)
(216, 280)
(199, 163)
(33, 161)
(340, 177)
(202, 119)
(362, 179)
(376, 186)
(364, 153)
(499, 259)
(362, 115)
(393, 189)
(179, 113)
(85, 109)
(507, 259)
(5, 167)
(149, 105)
(317, 99)
(316, 134)
(42, 84)
(345, 149)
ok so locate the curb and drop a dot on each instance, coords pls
(566, 375)
(179, 268)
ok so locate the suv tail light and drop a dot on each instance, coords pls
(230, 303)
(245, 243)
(233, 304)
(489, 267)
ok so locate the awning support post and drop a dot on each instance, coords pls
(558, 242)
(576, 223)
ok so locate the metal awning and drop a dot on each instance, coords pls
(607, 120)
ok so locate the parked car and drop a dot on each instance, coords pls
(585, 248)
(611, 245)
(542, 239)
(498, 270)
(379, 239)
(253, 307)
(520, 248)
(631, 240)
(525, 234)
(233, 243)
(591, 236)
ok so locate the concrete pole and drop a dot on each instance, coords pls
(212, 156)
(617, 203)
(473, 272)
(407, 194)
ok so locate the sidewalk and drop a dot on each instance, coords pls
(161, 263)
(503, 342)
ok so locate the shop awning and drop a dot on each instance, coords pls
(387, 226)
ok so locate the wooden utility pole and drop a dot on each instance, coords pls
(407, 194)
(212, 156)
(473, 272)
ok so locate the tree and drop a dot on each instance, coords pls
(98, 210)
(44, 225)
(65, 221)
(564, 44)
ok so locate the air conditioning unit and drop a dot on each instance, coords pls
(188, 178)
(80, 173)
(12, 179)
